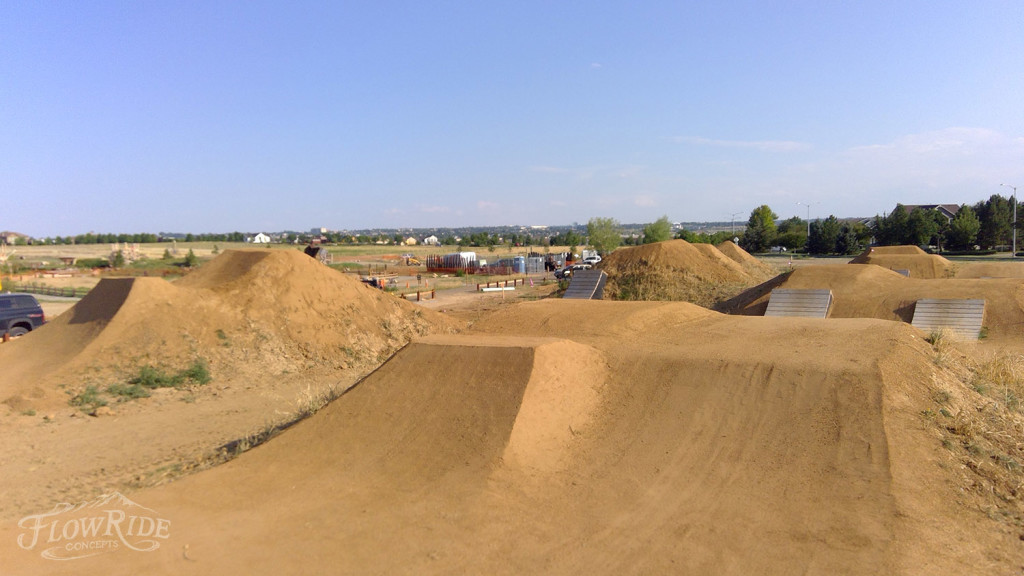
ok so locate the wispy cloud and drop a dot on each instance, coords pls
(486, 206)
(596, 65)
(950, 141)
(762, 145)
(644, 200)
(434, 209)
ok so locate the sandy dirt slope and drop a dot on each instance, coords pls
(753, 266)
(917, 262)
(866, 291)
(685, 442)
(676, 270)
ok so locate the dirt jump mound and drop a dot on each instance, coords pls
(867, 291)
(912, 260)
(713, 445)
(247, 313)
(676, 270)
(752, 265)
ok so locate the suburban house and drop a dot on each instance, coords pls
(410, 241)
(8, 237)
(431, 241)
(261, 238)
(947, 210)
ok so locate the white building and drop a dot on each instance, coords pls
(261, 238)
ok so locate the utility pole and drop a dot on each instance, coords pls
(808, 215)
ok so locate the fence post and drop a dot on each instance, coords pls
(432, 295)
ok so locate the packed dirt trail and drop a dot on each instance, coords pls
(567, 437)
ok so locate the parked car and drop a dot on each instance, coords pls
(592, 260)
(568, 270)
(20, 314)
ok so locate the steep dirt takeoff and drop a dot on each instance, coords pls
(556, 440)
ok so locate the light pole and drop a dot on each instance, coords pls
(1014, 253)
(734, 214)
(808, 215)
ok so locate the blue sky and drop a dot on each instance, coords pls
(220, 116)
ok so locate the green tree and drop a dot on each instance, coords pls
(658, 231)
(823, 237)
(995, 215)
(890, 229)
(604, 234)
(761, 232)
(963, 229)
(117, 259)
(921, 228)
(190, 259)
(848, 241)
(792, 233)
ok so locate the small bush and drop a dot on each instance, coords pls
(89, 398)
(191, 260)
(128, 391)
(153, 377)
(198, 372)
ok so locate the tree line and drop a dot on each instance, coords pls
(986, 225)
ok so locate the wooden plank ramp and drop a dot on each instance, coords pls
(586, 285)
(806, 303)
(963, 318)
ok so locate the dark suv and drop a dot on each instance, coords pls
(20, 314)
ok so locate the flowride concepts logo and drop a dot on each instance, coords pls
(109, 523)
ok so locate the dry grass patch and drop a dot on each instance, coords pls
(978, 410)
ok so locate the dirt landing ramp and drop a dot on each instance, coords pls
(712, 445)
(866, 291)
(95, 332)
(916, 262)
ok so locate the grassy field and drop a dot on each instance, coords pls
(32, 267)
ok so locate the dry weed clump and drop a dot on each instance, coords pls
(642, 282)
(979, 412)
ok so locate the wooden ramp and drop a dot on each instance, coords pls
(801, 303)
(962, 317)
(586, 285)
